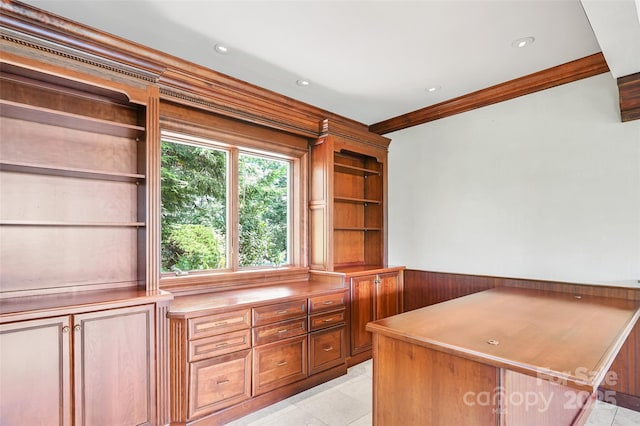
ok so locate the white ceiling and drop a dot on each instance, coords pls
(366, 60)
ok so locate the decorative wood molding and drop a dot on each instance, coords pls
(337, 128)
(151, 257)
(178, 80)
(566, 73)
(163, 381)
(629, 90)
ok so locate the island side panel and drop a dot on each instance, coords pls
(414, 385)
(621, 385)
(533, 401)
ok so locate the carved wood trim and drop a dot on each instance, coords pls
(566, 73)
(162, 364)
(364, 136)
(179, 80)
(151, 257)
(177, 368)
(629, 90)
(97, 47)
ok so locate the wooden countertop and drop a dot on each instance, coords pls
(364, 270)
(71, 302)
(213, 302)
(560, 337)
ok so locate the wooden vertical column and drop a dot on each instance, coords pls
(152, 252)
(152, 213)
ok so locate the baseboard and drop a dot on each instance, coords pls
(619, 399)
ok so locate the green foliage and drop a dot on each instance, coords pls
(194, 247)
(193, 192)
(263, 211)
(194, 209)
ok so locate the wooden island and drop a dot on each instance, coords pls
(505, 356)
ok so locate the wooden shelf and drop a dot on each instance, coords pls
(355, 200)
(72, 121)
(353, 170)
(21, 167)
(4, 222)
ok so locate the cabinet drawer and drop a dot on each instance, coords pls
(327, 302)
(329, 319)
(279, 312)
(326, 349)
(279, 364)
(279, 331)
(219, 345)
(219, 382)
(211, 325)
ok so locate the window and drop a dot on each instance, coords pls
(224, 208)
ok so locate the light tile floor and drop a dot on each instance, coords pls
(346, 401)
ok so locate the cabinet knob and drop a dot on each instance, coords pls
(77, 327)
(65, 329)
(377, 280)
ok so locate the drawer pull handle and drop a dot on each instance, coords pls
(222, 382)
(330, 348)
(281, 312)
(219, 345)
(281, 363)
(218, 324)
(328, 302)
(283, 331)
(328, 320)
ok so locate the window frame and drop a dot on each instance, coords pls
(234, 275)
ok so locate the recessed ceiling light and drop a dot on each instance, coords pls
(523, 42)
(433, 89)
(222, 49)
(303, 82)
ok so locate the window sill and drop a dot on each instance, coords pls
(194, 283)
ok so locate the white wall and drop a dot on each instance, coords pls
(545, 186)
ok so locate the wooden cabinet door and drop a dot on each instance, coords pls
(362, 305)
(387, 300)
(34, 372)
(278, 364)
(114, 362)
(219, 382)
(326, 349)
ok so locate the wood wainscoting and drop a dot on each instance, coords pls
(621, 386)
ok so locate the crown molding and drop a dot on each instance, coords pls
(566, 73)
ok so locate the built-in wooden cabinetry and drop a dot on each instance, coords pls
(347, 199)
(280, 344)
(327, 331)
(86, 330)
(235, 351)
(72, 183)
(374, 296)
(347, 212)
(81, 330)
(95, 366)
